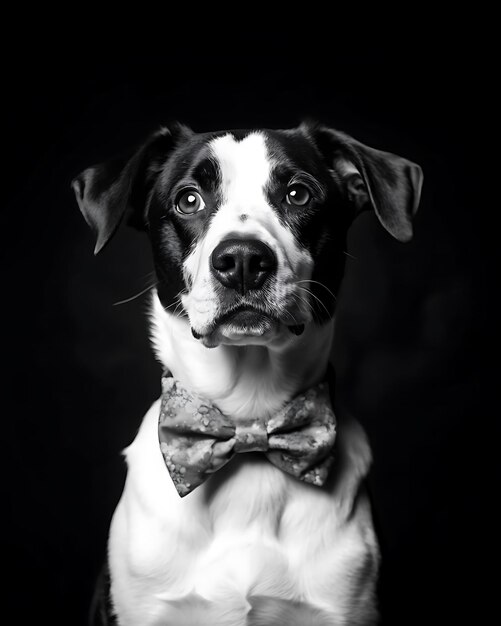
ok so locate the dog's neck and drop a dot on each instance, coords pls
(250, 381)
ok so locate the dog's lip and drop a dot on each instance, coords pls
(253, 320)
(245, 320)
(229, 315)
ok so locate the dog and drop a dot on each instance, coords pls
(248, 232)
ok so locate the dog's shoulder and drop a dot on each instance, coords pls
(353, 463)
(353, 458)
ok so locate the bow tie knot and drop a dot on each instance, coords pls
(250, 436)
(196, 438)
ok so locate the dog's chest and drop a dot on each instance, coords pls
(249, 531)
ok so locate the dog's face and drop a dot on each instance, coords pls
(248, 228)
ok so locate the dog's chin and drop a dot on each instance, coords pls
(246, 327)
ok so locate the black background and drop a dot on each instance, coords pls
(415, 325)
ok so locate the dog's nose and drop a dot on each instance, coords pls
(242, 264)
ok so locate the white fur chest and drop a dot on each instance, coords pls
(250, 531)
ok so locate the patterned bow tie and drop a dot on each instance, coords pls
(196, 438)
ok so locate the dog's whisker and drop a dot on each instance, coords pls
(295, 322)
(176, 301)
(317, 282)
(306, 303)
(301, 299)
(136, 296)
(174, 304)
(179, 306)
(151, 274)
(316, 298)
(350, 255)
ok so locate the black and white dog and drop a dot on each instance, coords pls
(248, 233)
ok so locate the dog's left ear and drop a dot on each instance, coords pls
(110, 191)
(391, 184)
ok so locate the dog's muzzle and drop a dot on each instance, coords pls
(242, 264)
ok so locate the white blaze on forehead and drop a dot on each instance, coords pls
(245, 168)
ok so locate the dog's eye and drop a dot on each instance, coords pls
(189, 201)
(298, 195)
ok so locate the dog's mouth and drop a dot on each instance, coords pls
(241, 324)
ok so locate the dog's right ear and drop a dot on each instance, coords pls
(108, 192)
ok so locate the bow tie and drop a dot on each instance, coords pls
(197, 438)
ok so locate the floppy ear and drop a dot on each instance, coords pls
(391, 184)
(107, 192)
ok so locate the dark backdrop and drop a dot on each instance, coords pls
(415, 324)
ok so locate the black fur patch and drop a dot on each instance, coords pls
(173, 234)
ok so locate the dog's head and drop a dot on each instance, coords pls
(248, 228)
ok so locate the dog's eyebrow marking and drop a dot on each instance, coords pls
(309, 181)
(284, 175)
(207, 173)
(243, 217)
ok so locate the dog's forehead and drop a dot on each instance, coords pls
(276, 147)
(249, 157)
(244, 164)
